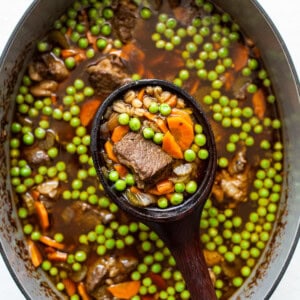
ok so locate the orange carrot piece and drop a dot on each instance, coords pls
(119, 132)
(65, 53)
(80, 57)
(134, 190)
(83, 292)
(122, 170)
(57, 256)
(42, 214)
(240, 56)
(108, 146)
(195, 87)
(88, 111)
(229, 80)
(165, 186)
(171, 147)
(149, 116)
(182, 131)
(51, 243)
(162, 188)
(181, 113)
(259, 103)
(69, 286)
(125, 290)
(35, 254)
(141, 94)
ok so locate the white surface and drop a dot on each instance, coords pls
(285, 15)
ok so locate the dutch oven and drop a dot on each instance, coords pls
(272, 264)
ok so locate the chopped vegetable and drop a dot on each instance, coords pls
(240, 56)
(121, 170)
(70, 286)
(119, 132)
(259, 103)
(51, 243)
(57, 256)
(83, 292)
(163, 187)
(182, 131)
(125, 290)
(108, 146)
(35, 254)
(88, 111)
(42, 214)
(170, 146)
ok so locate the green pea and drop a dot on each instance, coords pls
(158, 137)
(165, 109)
(113, 176)
(203, 154)
(135, 124)
(191, 187)
(70, 62)
(176, 198)
(148, 133)
(123, 119)
(162, 202)
(153, 107)
(179, 187)
(120, 185)
(189, 155)
(28, 138)
(200, 139)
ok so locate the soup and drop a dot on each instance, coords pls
(90, 248)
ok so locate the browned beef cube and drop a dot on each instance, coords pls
(147, 160)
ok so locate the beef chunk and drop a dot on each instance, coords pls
(110, 269)
(125, 20)
(147, 160)
(49, 67)
(108, 75)
(233, 183)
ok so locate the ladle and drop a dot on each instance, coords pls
(177, 226)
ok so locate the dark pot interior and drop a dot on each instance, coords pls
(256, 24)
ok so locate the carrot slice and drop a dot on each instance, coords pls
(57, 256)
(51, 243)
(69, 286)
(259, 103)
(35, 254)
(108, 146)
(122, 170)
(165, 186)
(240, 56)
(119, 132)
(83, 292)
(158, 280)
(162, 188)
(42, 214)
(141, 94)
(181, 113)
(125, 290)
(65, 53)
(88, 111)
(182, 131)
(134, 190)
(229, 80)
(171, 147)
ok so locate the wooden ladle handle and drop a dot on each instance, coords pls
(183, 239)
